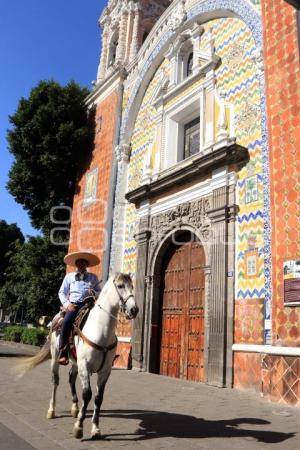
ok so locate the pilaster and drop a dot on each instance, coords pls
(122, 153)
(135, 33)
(142, 240)
(121, 50)
(104, 54)
(220, 319)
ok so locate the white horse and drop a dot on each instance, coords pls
(96, 349)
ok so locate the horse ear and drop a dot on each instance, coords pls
(116, 276)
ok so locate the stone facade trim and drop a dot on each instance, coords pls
(266, 349)
(187, 170)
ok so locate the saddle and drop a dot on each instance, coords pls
(80, 320)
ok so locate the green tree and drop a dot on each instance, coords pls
(9, 234)
(50, 139)
(33, 278)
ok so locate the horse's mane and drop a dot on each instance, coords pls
(123, 278)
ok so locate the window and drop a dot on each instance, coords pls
(192, 138)
(113, 51)
(145, 35)
(146, 28)
(189, 66)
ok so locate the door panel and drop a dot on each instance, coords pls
(182, 323)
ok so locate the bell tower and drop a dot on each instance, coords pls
(125, 25)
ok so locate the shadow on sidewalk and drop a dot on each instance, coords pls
(156, 424)
(15, 355)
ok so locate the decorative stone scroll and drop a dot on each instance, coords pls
(179, 16)
(194, 214)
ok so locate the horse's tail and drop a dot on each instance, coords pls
(30, 363)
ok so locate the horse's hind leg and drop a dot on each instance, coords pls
(86, 397)
(72, 381)
(101, 383)
(55, 382)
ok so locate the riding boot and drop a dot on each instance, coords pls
(63, 356)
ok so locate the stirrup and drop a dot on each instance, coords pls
(63, 358)
(63, 361)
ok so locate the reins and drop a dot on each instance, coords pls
(122, 300)
(105, 350)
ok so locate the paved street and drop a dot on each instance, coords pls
(140, 411)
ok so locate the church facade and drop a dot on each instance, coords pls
(196, 118)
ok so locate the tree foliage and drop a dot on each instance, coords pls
(33, 278)
(9, 234)
(50, 139)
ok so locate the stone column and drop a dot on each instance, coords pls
(142, 240)
(121, 50)
(207, 274)
(230, 273)
(122, 153)
(134, 48)
(196, 38)
(104, 54)
(218, 292)
(209, 115)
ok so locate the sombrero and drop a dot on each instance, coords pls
(71, 258)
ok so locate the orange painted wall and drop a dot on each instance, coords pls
(88, 229)
(282, 66)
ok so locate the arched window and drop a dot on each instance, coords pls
(113, 50)
(145, 35)
(146, 28)
(189, 64)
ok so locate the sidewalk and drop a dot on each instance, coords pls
(143, 411)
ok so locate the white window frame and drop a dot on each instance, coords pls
(183, 112)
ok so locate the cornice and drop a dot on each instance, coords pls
(119, 74)
(188, 170)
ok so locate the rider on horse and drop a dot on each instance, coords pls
(74, 289)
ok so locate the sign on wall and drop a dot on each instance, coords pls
(91, 184)
(291, 273)
(251, 189)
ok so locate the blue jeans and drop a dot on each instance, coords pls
(67, 326)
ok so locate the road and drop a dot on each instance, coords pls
(140, 411)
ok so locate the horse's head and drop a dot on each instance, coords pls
(124, 287)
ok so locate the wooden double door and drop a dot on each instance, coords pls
(182, 311)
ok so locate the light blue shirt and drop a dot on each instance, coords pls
(75, 291)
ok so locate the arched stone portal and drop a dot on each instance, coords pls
(212, 220)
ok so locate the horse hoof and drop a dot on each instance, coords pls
(78, 433)
(96, 436)
(50, 414)
(74, 412)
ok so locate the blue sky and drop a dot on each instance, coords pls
(58, 39)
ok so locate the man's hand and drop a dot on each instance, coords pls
(71, 307)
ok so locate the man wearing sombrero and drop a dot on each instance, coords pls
(74, 289)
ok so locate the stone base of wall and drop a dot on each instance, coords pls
(124, 359)
(281, 379)
(276, 378)
(247, 373)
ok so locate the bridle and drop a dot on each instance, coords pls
(123, 302)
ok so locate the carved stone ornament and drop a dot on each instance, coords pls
(258, 59)
(194, 214)
(179, 16)
(123, 152)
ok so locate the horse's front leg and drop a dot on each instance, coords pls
(72, 381)
(101, 383)
(86, 397)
